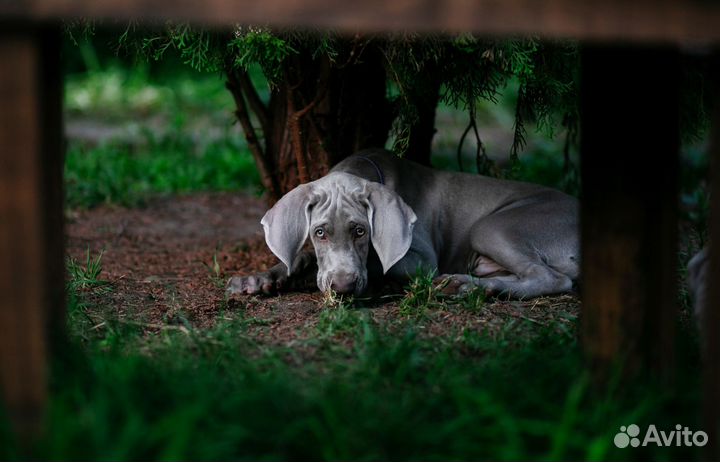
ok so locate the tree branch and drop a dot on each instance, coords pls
(324, 156)
(256, 104)
(295, 129)
(296, 133)
(483, 163)
(253, 143)
(460, 146)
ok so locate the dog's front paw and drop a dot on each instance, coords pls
(454, 284)
(265, 283)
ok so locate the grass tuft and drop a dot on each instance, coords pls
(421, 294)
(85, 276)
(472, 300)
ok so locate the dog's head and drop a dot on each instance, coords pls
(342, 214)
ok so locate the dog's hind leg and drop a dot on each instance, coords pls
(523, 252)
(534, 281)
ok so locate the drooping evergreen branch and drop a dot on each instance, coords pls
(461, 143)
(483, 163)
(519, 142)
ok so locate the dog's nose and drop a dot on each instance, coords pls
(343, 283)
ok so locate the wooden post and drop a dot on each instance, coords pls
(31, 232)
(629, 148)
(711, 328)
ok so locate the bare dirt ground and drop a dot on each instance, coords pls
(160, 263)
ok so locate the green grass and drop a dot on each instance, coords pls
(399, 397)
(85, 275)
(372, 392)
(115, 174)
(420, 295)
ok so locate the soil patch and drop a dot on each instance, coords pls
(168, 263)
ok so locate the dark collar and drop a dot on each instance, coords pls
(377, 168)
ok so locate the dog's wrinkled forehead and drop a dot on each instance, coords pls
(340, 194)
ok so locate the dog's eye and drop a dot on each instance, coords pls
(320, 233)
(359, 231)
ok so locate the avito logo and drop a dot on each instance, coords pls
(681, 436)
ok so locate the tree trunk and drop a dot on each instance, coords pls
(320, 113)
(426, 96)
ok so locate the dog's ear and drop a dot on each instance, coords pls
(286, 224)
(391, 224)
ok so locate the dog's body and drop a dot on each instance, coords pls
(507, 237)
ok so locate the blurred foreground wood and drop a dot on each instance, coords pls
(31, 232)
(643, 20)
(630, 147)
(711, 329)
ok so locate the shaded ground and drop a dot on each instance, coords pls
(160, 262)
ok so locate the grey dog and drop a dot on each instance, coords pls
(377, 213)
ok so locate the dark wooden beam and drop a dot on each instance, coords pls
(31, 233)
(637, 20)
(629, 164)
(711, 326)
